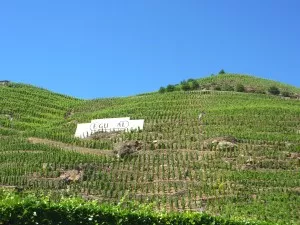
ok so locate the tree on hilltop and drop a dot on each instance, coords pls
(185, 86)
(222, 71)
(170, 88)
(195, 85)
(162, 90)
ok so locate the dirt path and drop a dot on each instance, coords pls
(70, 147)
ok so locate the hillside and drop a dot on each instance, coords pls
(25, 107)
(230, 82)
(241, 160)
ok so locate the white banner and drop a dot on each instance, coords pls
(83, 130)
(108, 125)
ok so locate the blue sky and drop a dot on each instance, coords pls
(98, 48)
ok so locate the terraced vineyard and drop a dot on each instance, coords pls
(241, 159)
(233, 82)
(254, 84)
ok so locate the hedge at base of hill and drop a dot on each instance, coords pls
(30, 209)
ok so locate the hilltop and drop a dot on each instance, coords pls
(235, 82)
(241, 160)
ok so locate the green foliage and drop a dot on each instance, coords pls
(185, 86)
(191, 84)
(222, 71)
(240, 88)
(170, 88)
(259, 91)
(274, 90)
(227, 87)
(195, 85)
(190, 80)
(30, 209)
(286, 94)
(162, 90)
(253, 84)
(217, 88)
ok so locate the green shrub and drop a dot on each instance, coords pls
(274, 90)
(162, 90)
(32, 209)
(217, 88)
(170, 88)
(227, 87)
(259, 91)
(222, 71)
(185, 86)
(286, 94)
(240, 88)
(195, 85)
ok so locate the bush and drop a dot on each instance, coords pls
(162, 90)
(217, 88)
(222, 71)
(33, 209)
(286, 94)
(195, 85)
(274, 90)
(260, 91)
(170, 88)
(240, 88)
(227, 87)
(185, 86)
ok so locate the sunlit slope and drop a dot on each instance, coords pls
(175, 115)
(252, 83)
(38, 112)
(26, 108)
(235, 82)
(170, 116)
(176, 168)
